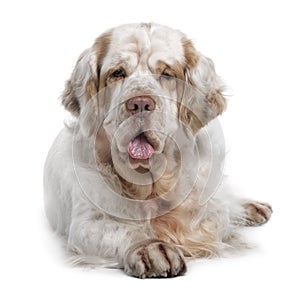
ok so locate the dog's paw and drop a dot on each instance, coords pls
(257, 213)
(154, 258)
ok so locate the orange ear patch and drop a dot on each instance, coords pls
(206, 101)
(190, 53)
(101, 47)
(218, 101)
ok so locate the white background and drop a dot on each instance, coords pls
(255, 46)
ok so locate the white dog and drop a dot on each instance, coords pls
(135, 180)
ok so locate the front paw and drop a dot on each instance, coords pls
(257, 213)
(154, 258)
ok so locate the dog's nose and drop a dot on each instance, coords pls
(140, 104)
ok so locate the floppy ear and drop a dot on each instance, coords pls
(203, 99)
(83, 83)
(81, 90)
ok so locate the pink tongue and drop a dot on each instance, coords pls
(140, 148)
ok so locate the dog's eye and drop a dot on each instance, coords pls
(120, 73)
(166, 75)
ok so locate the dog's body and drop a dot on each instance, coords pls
(134, 180)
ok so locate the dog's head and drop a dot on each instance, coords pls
(137, 87)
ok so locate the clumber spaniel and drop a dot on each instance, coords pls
(134, 180)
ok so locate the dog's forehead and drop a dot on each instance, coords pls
(147, 43)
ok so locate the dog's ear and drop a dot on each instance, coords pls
(84, 82)
(81, 91)
(203, 99)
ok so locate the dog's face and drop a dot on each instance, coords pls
(139, 86)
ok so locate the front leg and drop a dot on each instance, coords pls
(104, 238)
(128, 245)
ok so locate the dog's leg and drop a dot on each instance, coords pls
(104, 238)
(129, 245)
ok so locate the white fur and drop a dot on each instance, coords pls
(83, 199)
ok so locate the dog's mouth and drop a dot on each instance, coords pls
(141, 147)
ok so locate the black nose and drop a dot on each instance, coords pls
(140, 104)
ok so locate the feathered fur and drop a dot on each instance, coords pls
(143, 216)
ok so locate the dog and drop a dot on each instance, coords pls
(134, 180)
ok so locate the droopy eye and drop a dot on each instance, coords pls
(119, 73)
(166, 75)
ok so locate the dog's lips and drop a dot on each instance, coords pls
(140, 148)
